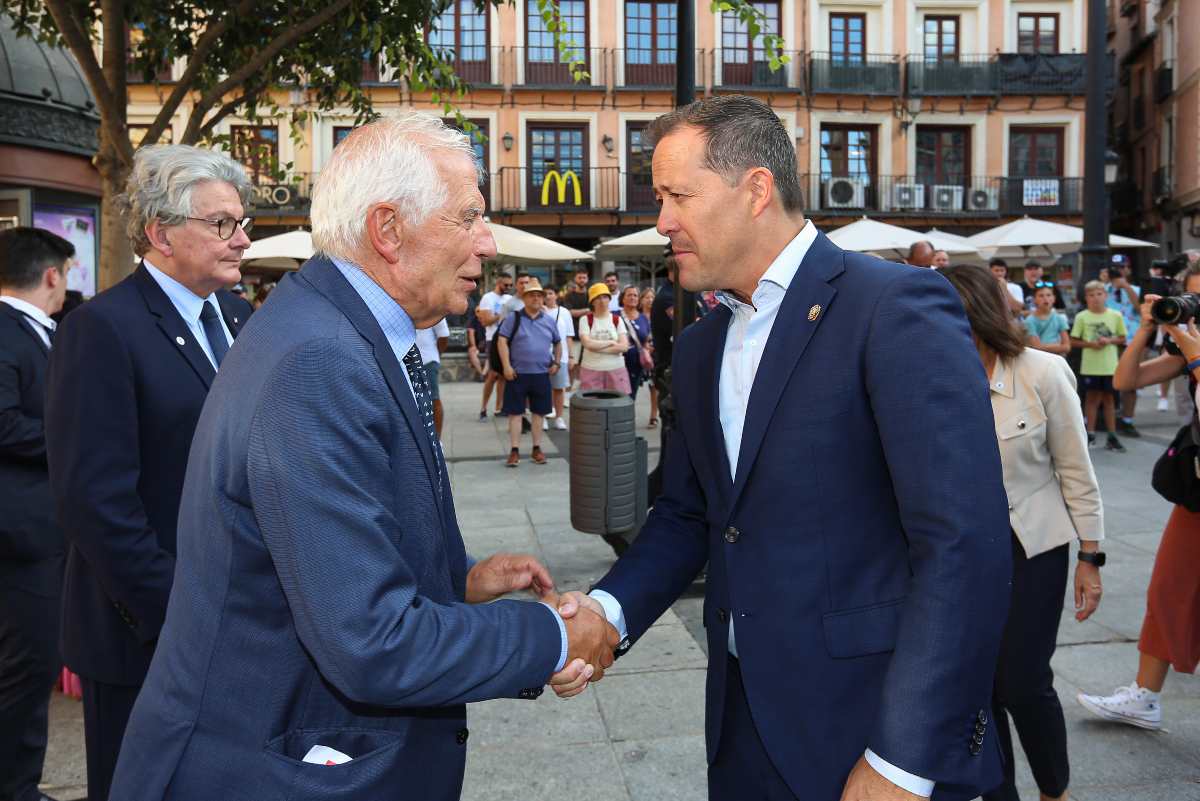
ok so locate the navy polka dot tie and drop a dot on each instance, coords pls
(420, 386)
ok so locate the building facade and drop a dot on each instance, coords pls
(960, 114)
(1155, 116)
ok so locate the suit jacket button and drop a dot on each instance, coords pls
(982, 717)
(977, 739)
(732, 534)
(975, 749)
(980, 729)
(461, 736)
(722, 615)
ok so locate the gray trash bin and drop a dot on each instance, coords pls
(606, 485)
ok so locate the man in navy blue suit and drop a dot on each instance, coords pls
(128, 374)
(836, 466)
(327, 627)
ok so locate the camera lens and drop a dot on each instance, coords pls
(1176, 310)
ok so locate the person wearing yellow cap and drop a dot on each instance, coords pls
(604, 344)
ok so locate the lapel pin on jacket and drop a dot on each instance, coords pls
(180, 341)
(814, 312)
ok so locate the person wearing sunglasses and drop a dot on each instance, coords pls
(1033, 280)
(128, 375)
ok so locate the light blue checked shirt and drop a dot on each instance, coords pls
(402, 335)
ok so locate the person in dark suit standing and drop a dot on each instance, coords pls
(835, 464)
(325, 609)
(33, 283)
(128, 376)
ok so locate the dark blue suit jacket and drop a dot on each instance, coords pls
(319, 585)
(123, 397)
(31, 543)
(863, 549)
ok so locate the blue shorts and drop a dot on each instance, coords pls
(1096, 383)
(431, 372)
(531, 388)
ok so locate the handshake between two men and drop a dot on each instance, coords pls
(591, 639)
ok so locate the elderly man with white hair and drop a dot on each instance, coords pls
(327, 626)
(127, 377)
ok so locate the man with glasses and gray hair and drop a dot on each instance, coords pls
(127, 378)
(325, 611)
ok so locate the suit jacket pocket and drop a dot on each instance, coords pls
(372, 772)
(862, 631)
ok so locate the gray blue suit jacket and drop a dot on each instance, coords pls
(319, 586)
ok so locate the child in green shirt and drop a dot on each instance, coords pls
(1098, 330)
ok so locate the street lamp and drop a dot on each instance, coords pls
(508, 140)
(1112, 163)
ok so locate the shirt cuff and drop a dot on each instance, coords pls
(612, 611)
(901, 778)
(562, 631)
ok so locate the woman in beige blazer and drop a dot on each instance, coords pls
(1053, 500)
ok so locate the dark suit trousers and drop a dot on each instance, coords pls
(29, 665)
(742, 770)
(1024, 686)
(106, 710)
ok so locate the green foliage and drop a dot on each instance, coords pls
(238, 51)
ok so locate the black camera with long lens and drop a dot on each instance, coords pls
(1176, 310)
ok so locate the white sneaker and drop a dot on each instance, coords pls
(560, 424)
(545, 424)
(1164, 405)
(552, 415)
(1134, 705)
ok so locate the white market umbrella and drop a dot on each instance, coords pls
(279, 251)
(868, 235)
(514, 246)
(1029, 236)
(646, 244)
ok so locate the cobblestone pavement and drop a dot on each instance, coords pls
(642, 727)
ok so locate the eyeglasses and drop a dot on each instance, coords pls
(1047, 284)
(227, 225)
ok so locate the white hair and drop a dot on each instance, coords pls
(390, 160)
(161, 183)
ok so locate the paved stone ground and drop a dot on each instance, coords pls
(642, 727)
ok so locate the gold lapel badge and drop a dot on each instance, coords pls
(814, 312)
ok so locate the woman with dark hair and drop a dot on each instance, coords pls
(1170, 635)
(1053, 500)
(637, 326)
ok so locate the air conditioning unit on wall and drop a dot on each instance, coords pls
(947, 197)
(908, 196)
(987, 199)
(845, 193)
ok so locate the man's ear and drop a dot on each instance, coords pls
(56, 275)
(156, 233)
(762, 189)
(385, 229)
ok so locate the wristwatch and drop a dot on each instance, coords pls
(1098, 558)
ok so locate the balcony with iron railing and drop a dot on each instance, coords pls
(543, 67)
(743, 68)
(961, 76)
(634, 68)
(522, 189)
(1162, 183)
(872, 74)
(1041, 74)
(1164, 81)
(906, 195)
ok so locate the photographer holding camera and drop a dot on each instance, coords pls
(1171, 627)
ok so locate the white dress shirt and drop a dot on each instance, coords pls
(749, 329)
(189, 305)
(39, 322)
